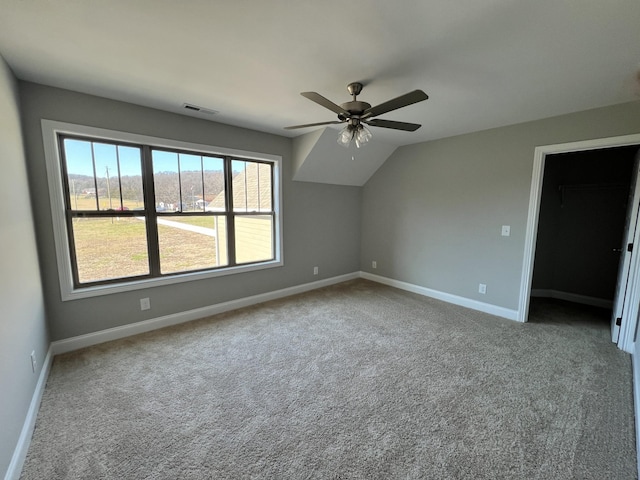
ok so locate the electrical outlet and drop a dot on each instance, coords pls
(374, 264)
(34, 363)
(145, 303)
(315, 270)
(482, 288)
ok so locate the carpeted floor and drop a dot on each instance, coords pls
(354, 381)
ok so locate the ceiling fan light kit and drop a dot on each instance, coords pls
(356, 133)
(358, 114)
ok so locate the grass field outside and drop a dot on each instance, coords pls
(109, 248)
(205, 221)
(116, 247)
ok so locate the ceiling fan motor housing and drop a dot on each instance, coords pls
(355, 108)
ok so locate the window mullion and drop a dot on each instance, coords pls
(231, 227)
(151, 217)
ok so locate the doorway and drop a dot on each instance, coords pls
(581, 225)
(594, 291)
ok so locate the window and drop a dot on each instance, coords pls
(131, 210)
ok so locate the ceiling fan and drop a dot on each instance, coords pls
(356, 114)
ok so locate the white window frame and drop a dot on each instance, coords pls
(50, 131)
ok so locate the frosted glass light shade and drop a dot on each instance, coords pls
(363, 136)
(346, 135)
(358, 133)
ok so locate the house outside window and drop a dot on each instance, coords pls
(133, 211)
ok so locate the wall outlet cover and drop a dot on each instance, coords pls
(145, 304)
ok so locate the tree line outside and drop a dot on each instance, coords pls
(168, 188)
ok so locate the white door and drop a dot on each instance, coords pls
(627, 251)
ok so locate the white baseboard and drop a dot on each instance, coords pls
(22, 447)
(446, 297)
(572, 297)
(82, 341)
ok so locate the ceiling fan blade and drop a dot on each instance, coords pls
(399, 102)
(409, 127)
(326, 103)
(312, 125)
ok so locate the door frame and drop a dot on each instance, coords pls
(623, 284)
(628, 328)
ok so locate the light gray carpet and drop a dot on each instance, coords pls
(357, 380)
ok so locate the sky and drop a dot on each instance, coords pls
(78, 154)
(79, 158)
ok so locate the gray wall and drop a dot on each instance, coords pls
(581, 221)
(321, 222)
(432, 214)
(22, 321)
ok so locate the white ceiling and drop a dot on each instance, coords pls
(484, 63)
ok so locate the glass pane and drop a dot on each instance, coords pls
(214, 184)
(115, 167)
(166, 181)
(238, 169)
(80, 178)
(254, 238)
(108, 248)
(264, 187)
(251, 186)
(106, 164)
(130, 161)
(192, 242)
(191, 182)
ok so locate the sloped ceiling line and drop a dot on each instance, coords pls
(318, 158)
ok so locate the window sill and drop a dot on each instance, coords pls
(130, 285)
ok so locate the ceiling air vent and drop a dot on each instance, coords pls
(196, 108)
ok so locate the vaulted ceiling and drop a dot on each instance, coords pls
(483, 63)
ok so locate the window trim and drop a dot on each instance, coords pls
(50, 131)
